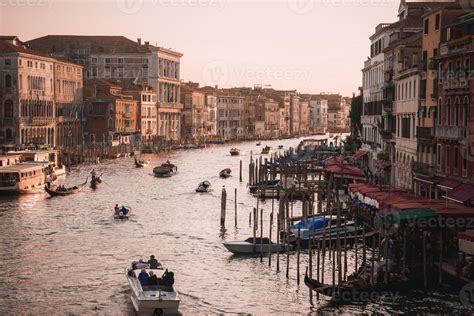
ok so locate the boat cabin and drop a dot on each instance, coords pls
(21, 178)
(7, 160)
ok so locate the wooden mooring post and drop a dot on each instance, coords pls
(223, 205)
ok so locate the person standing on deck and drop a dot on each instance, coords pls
(143, 277)
(153, 262)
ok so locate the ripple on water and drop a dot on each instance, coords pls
(76, 240)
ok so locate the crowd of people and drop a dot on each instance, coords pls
(149, 278)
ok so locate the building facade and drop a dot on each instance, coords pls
(318, 109)
(229, 117)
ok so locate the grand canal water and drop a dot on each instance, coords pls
(67, 255)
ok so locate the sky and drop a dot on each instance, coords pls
(310, 45)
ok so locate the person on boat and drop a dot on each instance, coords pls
(50, 181)
(153, 262)
(116, 209)
(140, 264)
(124, 210)
(143, 277)
(93, 174)
(152, 279)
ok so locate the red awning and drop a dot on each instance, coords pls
(454, 211)
(448, 184)
(462, 193)
(346, 170)
(359, 154)
(334, 160)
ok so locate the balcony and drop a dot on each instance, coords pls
(127, 114)
(450, 132)
(424, 132)
(423, 168)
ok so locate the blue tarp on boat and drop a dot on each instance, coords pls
(318, 222)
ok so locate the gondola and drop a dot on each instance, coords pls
(225, 173)
(170, 166)
(67, 191)
(95, 181)
(162, 172)
(140, 163)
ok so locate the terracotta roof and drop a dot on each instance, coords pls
(64, 44)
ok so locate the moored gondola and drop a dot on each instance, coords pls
(234, 151)
(140, 163)
(59, 191)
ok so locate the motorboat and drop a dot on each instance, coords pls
(266, 150)
(55, 190)
(234, 152)
(162, 172)
(140, 163)
(225, 173)
(122, 212)
(258, 144)
(173, 168)
(204, 186)
(95, 181)
(159, 299)
(247, 246)
(265, 185)
(320, 227)
(280, 146)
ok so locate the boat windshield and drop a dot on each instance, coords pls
(318, 223)
(258, 240)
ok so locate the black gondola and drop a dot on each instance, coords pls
(66, 191)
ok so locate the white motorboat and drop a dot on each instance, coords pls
(247, 247)
(204, 186)
(154, 299)
(322, 225)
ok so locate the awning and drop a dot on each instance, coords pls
(454, 211)
(448, 184)
(359, 154)
(345, 170)
(462, 193)
(409, 215)
(466, 242)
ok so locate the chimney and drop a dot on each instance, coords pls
(139, 41)
(147, 43)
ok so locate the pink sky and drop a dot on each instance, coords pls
(308, 45)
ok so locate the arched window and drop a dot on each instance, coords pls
(448, 111)
(465, 114)
(8, 81)
(8, 108)
(110, 123)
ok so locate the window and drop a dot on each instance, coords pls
(145, 61)
(456, 159)
(438, 157)
(19, 62)
(446, 158)
(120, 72)
(94, 60)
(8, 81)
(437, 18)
(8, 62)
(120, 60)
(405, 127)
(435, 52)
(464, 159)
(425, 29)
(94, 72)
(107, 60)
(145, 72)
(8, 108)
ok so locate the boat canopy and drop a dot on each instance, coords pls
(318, 222)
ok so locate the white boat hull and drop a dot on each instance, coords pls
(161, 300)
(242, 247)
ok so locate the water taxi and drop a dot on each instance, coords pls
(22, 178)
